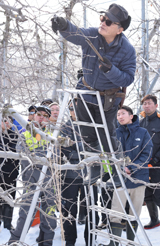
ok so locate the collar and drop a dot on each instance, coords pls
(143, 114)
(116, 42)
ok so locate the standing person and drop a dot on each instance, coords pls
(117, 69)
(72, 180)
(137, 145)
(30, 177)
(151, 122)
(54, 107)
(47, 102)
(31, 114)
(15, 124)
(9, 169)
(32, 111)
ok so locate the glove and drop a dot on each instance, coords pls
(59, 23)
(105, 65)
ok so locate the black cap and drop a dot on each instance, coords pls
(116, 13)
(47, 101)
(44, 108)
(31, 108)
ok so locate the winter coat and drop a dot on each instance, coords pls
(9, 168)
(152, 124)
(16, 125)
(71, 152)
(137, 145)
(27, 143)
(120, 52)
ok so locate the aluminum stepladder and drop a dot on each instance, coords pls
(67, 94)
(113, 158)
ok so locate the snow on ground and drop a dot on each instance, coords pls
(30, 240)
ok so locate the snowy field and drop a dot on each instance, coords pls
(154, 234)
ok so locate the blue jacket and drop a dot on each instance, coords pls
(71, 152)
(120, 52)
(136, 144)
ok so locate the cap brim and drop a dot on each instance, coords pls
(110, 16)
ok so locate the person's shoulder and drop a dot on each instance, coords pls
(143, 132)
(66, 127)
(126, 43)
(158, 115)
(142, 129)
(68, 123)
(120, 130)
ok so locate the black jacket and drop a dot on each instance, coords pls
(152, 124)
(71, 152)
(9, 167)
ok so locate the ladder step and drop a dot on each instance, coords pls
(82, 123)
(114, 237)
(112, 212)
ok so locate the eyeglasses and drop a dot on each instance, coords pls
(107, 21)
(44, 115)
(71, 108)
(31, 112)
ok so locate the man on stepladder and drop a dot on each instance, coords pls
(108, 76)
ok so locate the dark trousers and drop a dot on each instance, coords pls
(6, 211)
(82, 205)
(89, 133)
(153, 194)
(87, 233)
(70, 191)
(7, 182)
(48, 224)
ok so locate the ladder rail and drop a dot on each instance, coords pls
(97, 94)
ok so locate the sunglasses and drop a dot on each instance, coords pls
(31, 112)
(71, 108)
(107, 21)
(44, 115)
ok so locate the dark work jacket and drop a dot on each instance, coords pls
(152, 124)
(120, 53)
(10, 166)
(136, 144)
(71, 152)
